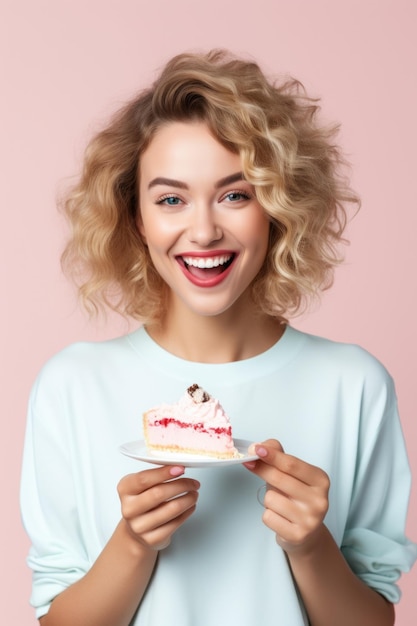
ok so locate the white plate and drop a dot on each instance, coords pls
(138, 450)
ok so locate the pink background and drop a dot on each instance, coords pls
(67, 64)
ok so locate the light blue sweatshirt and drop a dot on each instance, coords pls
(330, 404)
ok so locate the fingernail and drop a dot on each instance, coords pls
(261, 451)
(176, 470)
(250, 465)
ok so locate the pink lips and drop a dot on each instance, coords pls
(207, 276)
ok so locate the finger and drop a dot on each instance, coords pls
(283, 504)
(288, 486)
(295, 511)
(140, 481)
(273, 443)
(139, 504)
(284, 529)
(291, 535)
(160, 537)
(288, 464)
(165, 515)
(251, 465)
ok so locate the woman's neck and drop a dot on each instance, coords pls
(217, 339)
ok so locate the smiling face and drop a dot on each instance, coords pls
(206, 233)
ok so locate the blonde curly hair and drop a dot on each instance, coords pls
(292, 162)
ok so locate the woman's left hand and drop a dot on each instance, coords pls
(296, 497)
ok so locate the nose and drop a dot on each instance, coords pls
(204, 228)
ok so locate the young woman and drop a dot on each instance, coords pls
(209, 209)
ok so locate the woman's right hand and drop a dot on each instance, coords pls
(156, 502)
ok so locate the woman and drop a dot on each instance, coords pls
(209, 209)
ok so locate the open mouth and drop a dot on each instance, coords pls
(206, 268)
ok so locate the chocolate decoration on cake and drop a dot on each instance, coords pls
(198, 394)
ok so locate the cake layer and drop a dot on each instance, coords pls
(173, 435)
(165, 422)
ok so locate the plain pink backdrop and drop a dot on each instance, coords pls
(65, 65)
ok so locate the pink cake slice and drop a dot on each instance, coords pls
(197, 424)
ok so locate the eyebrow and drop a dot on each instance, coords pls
(171, 182)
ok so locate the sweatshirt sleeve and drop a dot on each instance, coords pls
(374, 542)
(48, 501)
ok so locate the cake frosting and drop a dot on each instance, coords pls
(196, 424)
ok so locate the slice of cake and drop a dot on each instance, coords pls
(196, 424)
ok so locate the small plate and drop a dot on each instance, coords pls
(138, 450)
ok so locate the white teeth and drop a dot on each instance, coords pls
(207, 262)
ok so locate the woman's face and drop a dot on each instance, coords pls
(206, 233)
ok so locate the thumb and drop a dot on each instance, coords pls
(273, 443)
(270, 443)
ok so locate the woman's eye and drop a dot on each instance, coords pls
(169, 200)
(236, 196)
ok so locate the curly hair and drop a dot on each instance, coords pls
(292, 162)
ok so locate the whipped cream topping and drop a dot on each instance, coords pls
(195, 409)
